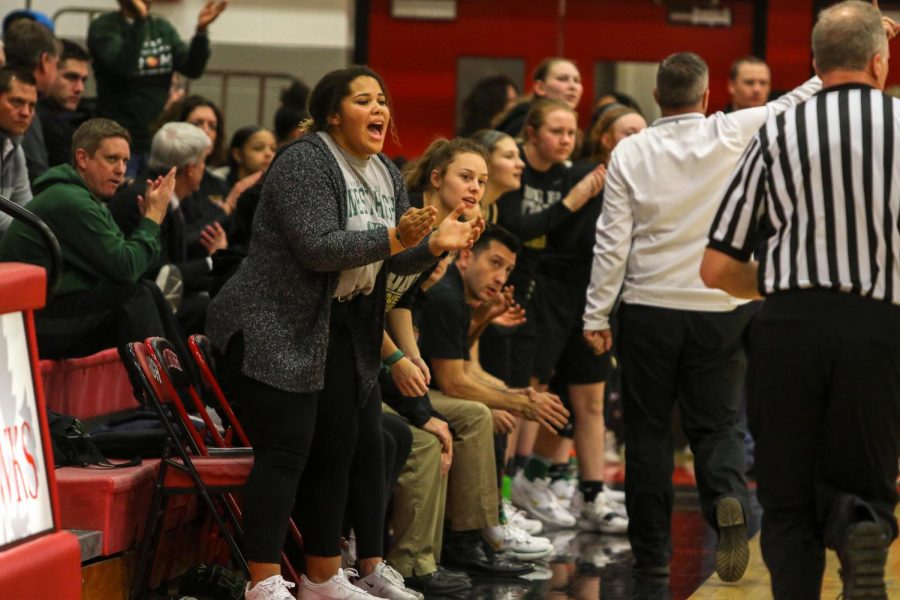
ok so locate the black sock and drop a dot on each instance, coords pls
(559, 471)
(590, 489)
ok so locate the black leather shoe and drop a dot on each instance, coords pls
(466, 550)
(442, 582)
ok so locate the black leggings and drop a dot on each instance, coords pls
(307, 448)
(397, 446)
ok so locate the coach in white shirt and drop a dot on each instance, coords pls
(677, 339)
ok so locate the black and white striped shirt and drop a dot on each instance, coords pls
(817, 197)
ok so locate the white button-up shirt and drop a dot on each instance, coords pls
(663, 188)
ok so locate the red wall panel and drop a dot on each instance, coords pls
(418, 58)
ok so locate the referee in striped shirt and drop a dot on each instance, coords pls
(816, 197)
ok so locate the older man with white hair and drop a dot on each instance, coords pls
(816, 199)
(185, 147)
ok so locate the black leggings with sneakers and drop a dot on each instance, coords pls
(307, 448)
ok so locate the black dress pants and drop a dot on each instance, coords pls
(696, 359)
(824, 409)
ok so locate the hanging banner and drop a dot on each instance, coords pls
(25, 503)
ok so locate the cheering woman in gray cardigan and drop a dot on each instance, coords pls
(301, 324)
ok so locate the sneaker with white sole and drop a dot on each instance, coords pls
(614, 496)
(518, 518)
(564, 490)
(336, 588)
(577, 504)
(509, 539)
(385, 582)
(539, 502)
(270, 588)
(601, 515)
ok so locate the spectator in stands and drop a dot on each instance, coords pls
(2, 54)
(58, 110)
(250, 151)
(291, 113)
(18, 99)
(329, 218)
(749, 83)
(135, 55)
(26, 14)
(556, 79)
(488, 101)
(184, 147)
(214, 201)
(32, 47)
(203, 113)
(101, 301)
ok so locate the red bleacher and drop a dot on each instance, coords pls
(87, 387)
(114, 502)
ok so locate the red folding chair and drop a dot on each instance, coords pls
(214, 478)
(201, 351)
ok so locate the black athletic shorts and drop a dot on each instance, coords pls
(508, 352)
(561, 352)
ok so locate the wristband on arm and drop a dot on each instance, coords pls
(393, 358)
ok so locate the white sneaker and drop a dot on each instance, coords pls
(336, 588)
(614, 496)
(518, 518)
(611, 496)
(602, 515)
(386, 582)
(270, 588)
(512, 540)
(539, 502)
(564, 489)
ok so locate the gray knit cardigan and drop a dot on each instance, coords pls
(281, 295)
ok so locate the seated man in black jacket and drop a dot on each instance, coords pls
(185, 147)
(60, 111)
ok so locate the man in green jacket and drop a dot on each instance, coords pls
(100, 301)
(135, 55)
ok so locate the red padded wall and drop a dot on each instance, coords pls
(418, 58)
